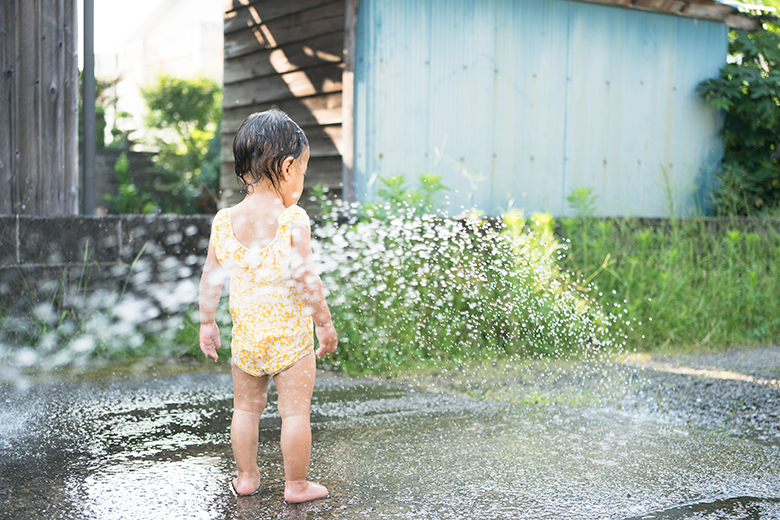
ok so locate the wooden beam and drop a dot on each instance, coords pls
(254, 13)
(8, 75)
(347, 103)
(324, 109)
(70, 99)
(700, 9)
(27, 108)
(308, 82)
(298, 27)
(287, 58)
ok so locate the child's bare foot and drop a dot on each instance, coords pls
(298, 491)
(246, 484)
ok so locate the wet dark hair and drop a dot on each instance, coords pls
(263, 141)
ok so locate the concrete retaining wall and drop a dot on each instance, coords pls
(53, 264)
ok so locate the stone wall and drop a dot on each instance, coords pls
(69, 263)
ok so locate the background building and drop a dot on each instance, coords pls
(514, 102)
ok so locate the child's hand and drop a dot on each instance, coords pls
(326, 335)
(209, 339)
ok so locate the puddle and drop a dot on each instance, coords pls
(160, 448)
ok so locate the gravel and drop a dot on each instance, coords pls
(736, 392)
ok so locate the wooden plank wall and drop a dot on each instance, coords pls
(287, 54)
(39, 107)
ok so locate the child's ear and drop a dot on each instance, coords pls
(287, 165)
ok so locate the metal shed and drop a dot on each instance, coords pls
(514, 102)
(518, 102)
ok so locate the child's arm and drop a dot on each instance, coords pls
(209, 293)
(311, 289)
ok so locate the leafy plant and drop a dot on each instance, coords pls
(105, 98)
(129, 199)
(395, 195)
(184, 115)
(748, 89)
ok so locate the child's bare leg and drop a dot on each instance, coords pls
(295, 386)
(249, 398)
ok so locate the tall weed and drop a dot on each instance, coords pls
(703, 283)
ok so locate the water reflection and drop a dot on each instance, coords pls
(126, 448)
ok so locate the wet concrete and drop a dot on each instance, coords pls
(156, 445)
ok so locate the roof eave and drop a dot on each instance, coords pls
(713, 10)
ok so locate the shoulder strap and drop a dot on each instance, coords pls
(219, 230)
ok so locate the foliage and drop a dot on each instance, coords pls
(129, 198)
(184, 116)
(748, 89)
(687, 283)
(409, 286)
(395, 193)
(105, 97)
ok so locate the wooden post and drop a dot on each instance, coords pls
(347, 102)
(7, 96)
(88, 100)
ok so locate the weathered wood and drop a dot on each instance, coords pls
(38, 107)
(50, 188)
(308, 82)
(324, 109)
(322, 141)
(288, 55)
(260, 11)
(347, 109)
(229, 5)
(288, 58)
(27, 107)
(300, 26)
(7, 94)
(70, 102)
(323, 170)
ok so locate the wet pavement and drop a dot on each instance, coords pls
(156, 445)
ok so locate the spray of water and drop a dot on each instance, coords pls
(410, 286)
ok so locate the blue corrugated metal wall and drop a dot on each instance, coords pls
(517, 102)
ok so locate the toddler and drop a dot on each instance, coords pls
(263, 245)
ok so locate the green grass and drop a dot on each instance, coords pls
(692, 284)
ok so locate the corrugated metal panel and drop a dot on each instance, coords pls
(519, 101)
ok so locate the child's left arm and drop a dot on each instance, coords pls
(208, 299)
(312, 290)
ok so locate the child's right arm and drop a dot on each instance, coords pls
(208, 299)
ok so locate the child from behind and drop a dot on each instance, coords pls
(263, 244)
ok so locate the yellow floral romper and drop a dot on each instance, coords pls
(271, 329)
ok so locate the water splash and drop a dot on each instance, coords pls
(408, 286)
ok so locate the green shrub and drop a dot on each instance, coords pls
(748, 89)
(409, 286)
(129, 199)
(184, 116)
